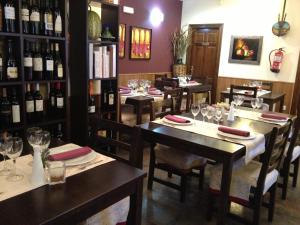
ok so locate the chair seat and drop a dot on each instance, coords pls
(296, 153)
(243, 179)
(177, 159)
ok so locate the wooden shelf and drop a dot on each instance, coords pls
(103, 42)
(110, 78)
(31, 36)
(10, 83)
(46, 121)
(45, 81)
(12, 128)
(7, 34)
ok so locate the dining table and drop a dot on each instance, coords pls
(195, 139)
(88, 190)
(269, 97)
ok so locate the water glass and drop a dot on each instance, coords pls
(210, 113)
(56, 172)
(195, 108)
(253, 103)
(218, 114)
(203, 111)
(259, 102)
(4, 147)
(13, 153)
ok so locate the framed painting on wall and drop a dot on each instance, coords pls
(140, 43)
(122, 39)
(245, 49)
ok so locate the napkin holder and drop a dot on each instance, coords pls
(231, 113)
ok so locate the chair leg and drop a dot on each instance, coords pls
(170, 174)
(256, 214)
(201, 178)
(210, 207)
(272, 202)
(286, 171)
(183, 182)
(296, 169)
(151, 168)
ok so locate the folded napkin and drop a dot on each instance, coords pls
(234, 131)
(193, 82)
(152, 89)
(157, 92)
(273, 116)
(123, 91)
(124, 88)
(176, 119)
(70, 154)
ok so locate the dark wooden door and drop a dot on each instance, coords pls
(204, 53)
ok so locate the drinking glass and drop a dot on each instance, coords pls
(5, 145)
(203, 111)
(195, 108)
(253, 103)
(210, 112)
(13, 153)
(189, 78)
(218, 114)
(259, 102)
(34, 136)
(236, 100)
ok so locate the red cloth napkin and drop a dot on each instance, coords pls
(234, 131)
(193, 82)
(124, 88)
(273, 116)
(123, 91)
(157, 92)
(70, 154)
(176, 119)
(152, 89)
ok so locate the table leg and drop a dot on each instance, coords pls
(281, 104)
(135, 208)
(139, 113)
(225, 189)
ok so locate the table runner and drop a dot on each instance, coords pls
(156, 98)
(254, 147)
(253, 115)
(24, 167)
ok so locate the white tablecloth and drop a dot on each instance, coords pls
(156, 98)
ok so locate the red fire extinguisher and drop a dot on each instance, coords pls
(276, 61)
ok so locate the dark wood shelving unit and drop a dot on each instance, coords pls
(79, 67)
(19, 37)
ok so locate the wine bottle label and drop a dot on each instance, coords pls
(28, 62)
(25, 14)
(35, 16)
(16, 113)
(52, 101)
(38, 64)
(92, 109)
(60, 102)
(110, 99)
(39, 105)
(12, 72)
(60, 72)
(1, 62)
(58, 25)
(49, 65)
(9, 12)
(48, 21)
(30, 106)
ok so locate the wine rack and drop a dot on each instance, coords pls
(80, 73)
(48, 122)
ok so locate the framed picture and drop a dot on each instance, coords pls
(122, 40)
(245, 49)
(140, 43)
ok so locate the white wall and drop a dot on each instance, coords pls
(253, 18)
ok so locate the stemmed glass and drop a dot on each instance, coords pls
(203, 111)
(5, 145)
(13, 153)
(189, 78)
(195, 108)
(259, 102)
(253, 103)
(34, 137)
(46, 138)
(218, 114)
(210, 112)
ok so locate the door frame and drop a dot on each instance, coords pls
(296, 92)
(218, 26)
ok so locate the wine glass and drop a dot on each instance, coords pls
(203, 111)
(253, 103)
(210, 112)
(259, 102)
(13, 153)
(189, 78)
(218, 114)
(34, 137)
(195, 108)
(45, 142)
(5, 145)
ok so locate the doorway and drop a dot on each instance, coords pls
(203, 55)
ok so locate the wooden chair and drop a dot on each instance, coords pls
(110, 138)
(265, 172)
(267, 86)
(170, 83)
(198, 89)
(248, 92)
(176, 94)
(172, 160)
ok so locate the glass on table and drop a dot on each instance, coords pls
(203, 110)
(218, 114)
(210, 112)
(259, 102)
(13, 153)
(56, 172)
(5, 145)
(195, 109)
(253, 103)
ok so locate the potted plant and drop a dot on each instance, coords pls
(180, 41)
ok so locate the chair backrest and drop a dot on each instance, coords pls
(194, 90)
(170, 83)
(271, 158)
(249, 92)
(267, 86)
(162, 108)
(108, 137)
(160, 76)
(293, 140)
(176, 95)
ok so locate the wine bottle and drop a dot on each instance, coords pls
(48, 19)
(37, 63)
(2, 78)
(28, 62)
(92, 104)
(1, 16)
(111, 98)
(25, 16)
(29, 104)
(11, 65)
(38, 103)
(59, 101)
(48, 63)
(52, 98)
(5, 110)
(15, 106)
(10, 16)
(104, 98)
(59, 134)
(35, 18)
(59, 71)
(57, 20)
